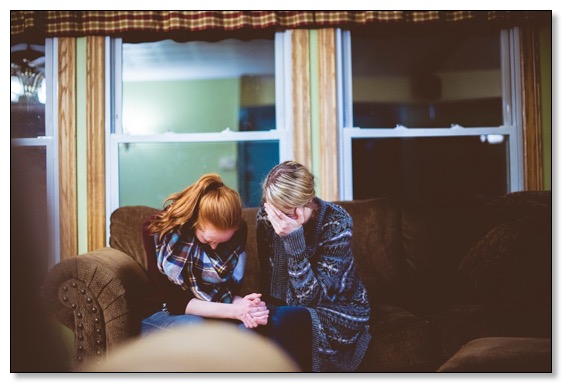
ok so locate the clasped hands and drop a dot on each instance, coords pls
(253, 311)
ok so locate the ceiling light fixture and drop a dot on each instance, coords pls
(27, 74)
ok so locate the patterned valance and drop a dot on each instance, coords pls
(185, 24)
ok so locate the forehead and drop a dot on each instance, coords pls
(288, 211)
(214, 235)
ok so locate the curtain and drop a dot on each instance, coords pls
(26, 25)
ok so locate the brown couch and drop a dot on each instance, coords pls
(437, 277)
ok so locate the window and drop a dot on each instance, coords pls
(182, 109)
(432, 118)
(33, 157)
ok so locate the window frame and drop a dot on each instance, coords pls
(512, 114)
(114, 131)
(50, 142)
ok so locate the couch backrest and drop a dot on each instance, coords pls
(440, 242)
(125, 229)
(376, 243)
(399, 251)
(251, 283)
(377, 248)
(435, 239)
(406, 254)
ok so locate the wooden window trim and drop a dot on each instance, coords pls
(531, 110)
(302, 145)
(328, 123)
(95, 131)
(68, 219)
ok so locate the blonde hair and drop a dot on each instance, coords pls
(207, 202)
(289, 185)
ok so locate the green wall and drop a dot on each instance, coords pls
(180, 106)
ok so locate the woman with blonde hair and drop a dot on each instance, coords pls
(319, 311)
(195, 249)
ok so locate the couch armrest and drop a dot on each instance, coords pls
(99, 296)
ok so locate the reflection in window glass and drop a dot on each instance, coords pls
(27, 90)
(150, 172)
(431, 81)
(198, 86)
(430, 169)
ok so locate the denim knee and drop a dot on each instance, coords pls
(162, 320)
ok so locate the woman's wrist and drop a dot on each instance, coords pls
(294, 242)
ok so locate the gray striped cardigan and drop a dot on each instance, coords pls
(314, 267)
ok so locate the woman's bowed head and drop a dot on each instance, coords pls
(198, 243)
(288, 193)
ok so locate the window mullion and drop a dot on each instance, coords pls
(283, 94)
(512, 105)
(51, 129)
(347, 167)
(429, 132)
(345, 117)
(225, 136)
(509, 102)
(116, 79)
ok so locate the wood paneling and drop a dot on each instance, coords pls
(328, 177)
(301, 97)
(95, 128)
(532, 125)
(67, 147)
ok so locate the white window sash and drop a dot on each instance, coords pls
(114, 129)
(511, 115)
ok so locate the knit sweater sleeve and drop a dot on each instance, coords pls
(320, 273)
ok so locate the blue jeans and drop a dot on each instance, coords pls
(163, 320)
(291, 328)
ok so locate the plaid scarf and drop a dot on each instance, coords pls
(212, 275)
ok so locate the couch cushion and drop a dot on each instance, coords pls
(502, 354)
(455, 325)
(511, 265)
(401, 342)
